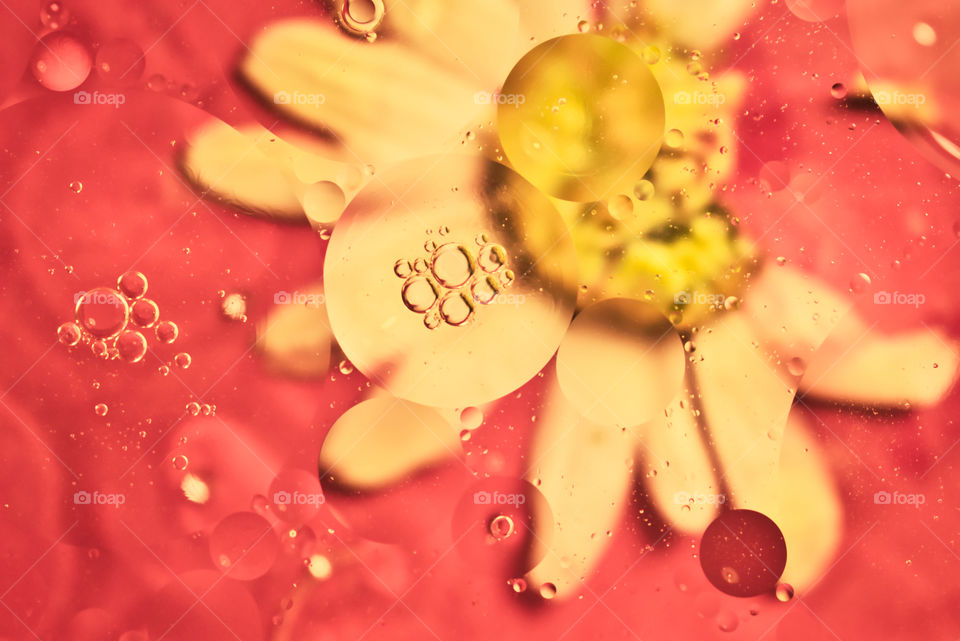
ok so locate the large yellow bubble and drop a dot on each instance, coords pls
(581, 117)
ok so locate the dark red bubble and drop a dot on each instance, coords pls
(743, 553)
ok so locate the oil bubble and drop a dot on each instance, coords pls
(102, 312)
(131, 346)
(452, 265)
(144, 312)
(132, 284)
(100, 409)
(419, 294)
(69, 334)
(167, 331)
(182, 360)
(61, 62)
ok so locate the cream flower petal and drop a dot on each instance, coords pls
(807, 506)
(864, 366)
(408, 94)
(295, 338)
(678, 473)
(743, 376)
(584, 470)
(252, 169)
(383, 441)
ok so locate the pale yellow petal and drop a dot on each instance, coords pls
(677, 471)
(295, 338)
(865, 366)
(383, 441)
(585, 472)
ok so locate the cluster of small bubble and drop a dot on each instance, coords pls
(193, 408)
(113, 323)
(453, 278)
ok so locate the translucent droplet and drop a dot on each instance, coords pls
(131, 346)
(180, 462)
(323, 202)
(132, 284)
(796, 366)
(100, 409)
(193, 408)
(548, 591)
(360, 17)
(924, 34)
(518, 585)
(731, 303)
(120, 61)
(61, 62)
(506, 277)
(859, 283)
(167, 331)
(402, 268)
(784, 592)
(244, 546)
(643, 190)
(471, 418)
(651, 55)
(54, 15)
(485, 290)
(583, 26)
(419, 294)
(164, 370)
(727, 621)
(345, 367)
(144, 313)
(182, 360)
(673, 139)
(501, 527)
(69, 334)
(838, 91)
(456, 309)
(743, 553)
(453, 265)
(75, 186)
(621, 207)
(432, 319)
(420, 266)
(102, 312)
(99, 349)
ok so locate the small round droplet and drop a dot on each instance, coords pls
(673, 139)
(796, 366)
(102, 312)
(518, 585)
(193, 408)
(743, 553)
(859, 283)
(456, 309)
(182, 360)
(727, 621)
(471, 418)
(164, 370)
(621, 207)
(784, 592)
(643, 190)
(69, 334)
(651, 55)
(360, 17)
(61, 62)
(167, 331)
(453, 265)
(419, 294)
(345, 367)
(583, 26)
(402, 268)
(99, 349)
(132, 284)
(54, 15)
(131, 346)
(838, 91)
(924, 34)
(492, 257)
(501, 527)
(100, 409)
(75, 186)
(485, 290)
(144, 313)
(548, 591)
(432, 319)
(180, 462)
